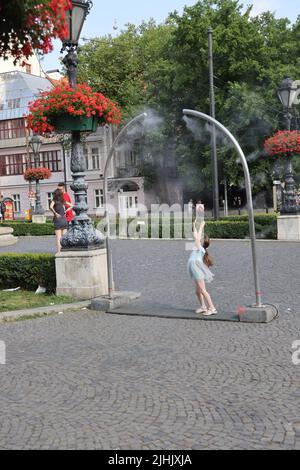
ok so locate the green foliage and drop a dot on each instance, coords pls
(23, 229)
(227, 230)
(27, 271)
(147, 170)
(118, 67)
(166, 67)
(261, 219)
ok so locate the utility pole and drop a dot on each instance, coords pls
(214, 157)
(226, 213)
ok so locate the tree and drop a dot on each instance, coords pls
(120, 67)
(165, 67)
(252, 55)
(27, 25)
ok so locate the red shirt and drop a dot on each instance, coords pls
(69, 214)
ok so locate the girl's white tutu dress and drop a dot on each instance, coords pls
(197, 269)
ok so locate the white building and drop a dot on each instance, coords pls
(21, 85)
(31, 66)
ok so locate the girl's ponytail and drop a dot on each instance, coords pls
(207, 260)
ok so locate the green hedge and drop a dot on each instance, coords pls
(235, 227)
(27, 271)
(23, 229)
(227, 230)
(224, 229)
(261, 219)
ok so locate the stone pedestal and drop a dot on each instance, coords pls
(39, 219)
(289, 227)
(6, 237)
(82, 275)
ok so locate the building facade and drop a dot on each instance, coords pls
(18, 87)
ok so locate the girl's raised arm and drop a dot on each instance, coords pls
(198, 235)
(201, 230)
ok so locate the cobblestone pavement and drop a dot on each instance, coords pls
(31, 245)
(96, 381)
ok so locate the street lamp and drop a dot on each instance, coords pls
(214, 155)
(35, 144)
(75, 19)
(287, 93)
(82, 234)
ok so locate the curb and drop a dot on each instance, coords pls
(43, 311)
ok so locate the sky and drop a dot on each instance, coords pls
(116, 13)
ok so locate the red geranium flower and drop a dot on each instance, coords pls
(37, 174)
(63, 99)
(283, 143)
(39, 22)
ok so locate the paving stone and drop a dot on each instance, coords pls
(94, 381)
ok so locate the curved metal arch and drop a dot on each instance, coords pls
(105, 194)
(197, 114)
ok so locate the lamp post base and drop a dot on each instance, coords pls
(289, 206)
(82, 236)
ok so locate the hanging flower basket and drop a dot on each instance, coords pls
(284, 144)
(63, 109)
(37, 174)
(30, 25)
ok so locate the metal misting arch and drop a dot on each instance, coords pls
(197, 114)
(105, 198)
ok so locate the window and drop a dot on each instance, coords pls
(17, 202)
(12, 129)
(99, 198)
(134, 153)
(17, 164)
(96, 158)
(28, 68)
(13, 103)
(49, 200)
(133, 158)
(50, 160)
(2, 166)
(86, 156)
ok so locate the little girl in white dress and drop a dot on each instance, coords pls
(198, 268)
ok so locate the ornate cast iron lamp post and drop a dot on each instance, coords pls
(82, 234)
(287, 93)
(35, 144)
